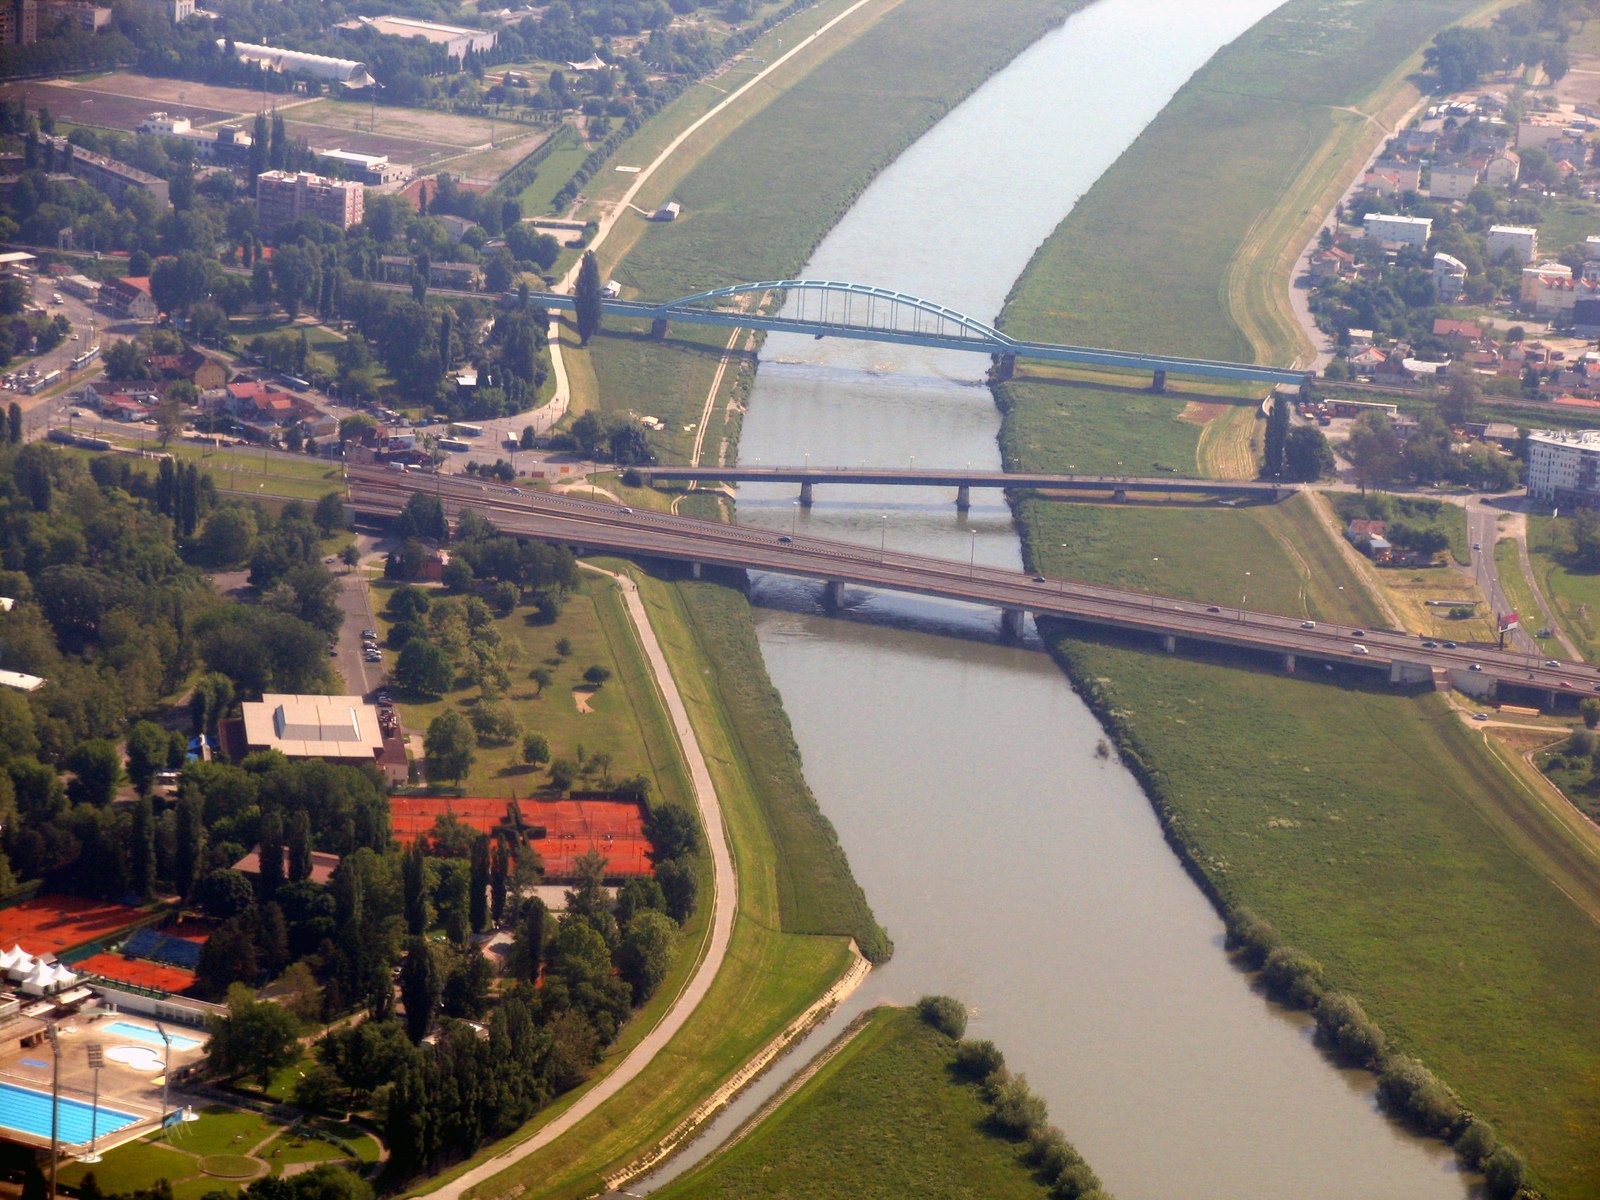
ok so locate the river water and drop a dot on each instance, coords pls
(1014, 868)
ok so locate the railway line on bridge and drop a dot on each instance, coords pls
(597, 526)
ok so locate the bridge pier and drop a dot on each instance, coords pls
(1169, 642)
(964, 497)
(1005, 367)
(1013, 621)
(1288, 664)
(805, 494)
(1158, 382)
(658, 328)
(1120, 495)
(646, 479)
(833, 595)
(694, 570)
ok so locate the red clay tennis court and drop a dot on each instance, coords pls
(410, 817)
(572, 828)
(156, 976)
(52, 924)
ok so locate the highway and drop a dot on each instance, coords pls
(593, 525)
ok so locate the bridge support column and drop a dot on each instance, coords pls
(1120, 495)
(658, 328)
(646, 479)
(1169, 642)
(1005, 368)
(964, 497)
(694, 570)
(805, 494)
(833, 595)
(1288, 664)
(1158, 382)
(1012, 623)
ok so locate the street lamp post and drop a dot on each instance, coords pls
(96, 1061)
(883, 537)
(55, 1103)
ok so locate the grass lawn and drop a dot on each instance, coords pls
(883, 1120)
(286, 1149)
(244, 471)
(554, 171)
(1574, 595)
(625, 721)
(1371, 828)
(221, 1140)
(667, 380)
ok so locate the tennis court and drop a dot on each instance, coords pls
(53, 924)
(572, 828)
(157, 977)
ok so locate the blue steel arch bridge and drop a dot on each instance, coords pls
(830, 308)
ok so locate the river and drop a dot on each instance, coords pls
(1013, 867)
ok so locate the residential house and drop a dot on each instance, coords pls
(1398, 231)
(1381, 183)
(1504, 169)
(1449, 278)
(261, 405)
(130, 297)
(1332, 263)
(191, 366)
(1406, 173)
(1457, 334)
(1521, 241)
(1368, 537)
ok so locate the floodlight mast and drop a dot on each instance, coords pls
(55, 1102)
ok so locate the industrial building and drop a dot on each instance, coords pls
(454, 40)
(227, 143)
(350, 73)
(1564, 466)
(371, 169)
(284, 196)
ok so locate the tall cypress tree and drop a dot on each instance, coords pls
(587, 300)
(499, 869)
(478, 885)
(271, 853)
(14, 423)
(191, 847)
(142, 849)
(1277, 435)
(298, 837)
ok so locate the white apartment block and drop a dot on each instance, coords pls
(1452, 182)
(1399, 231)
(1564, 466)
(1521, 240)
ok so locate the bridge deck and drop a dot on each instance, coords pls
(938, 477)
(999, 344)
(596, 526)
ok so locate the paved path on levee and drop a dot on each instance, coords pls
(556, 407)
(724, 902)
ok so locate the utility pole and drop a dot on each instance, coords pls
(55, 1104)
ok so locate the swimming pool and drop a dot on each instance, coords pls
(28, 1111)
(139, 1033)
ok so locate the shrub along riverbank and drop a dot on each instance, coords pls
(904, 1108)
(1368, 827)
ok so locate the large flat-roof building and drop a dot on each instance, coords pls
(454, 40)
(1564, 466)
(116, 179)
(1520, 240)
(1398, 231)
(284, 196)
(340, 729)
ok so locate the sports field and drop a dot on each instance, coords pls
(572, 828)
(51, 924)
(156, 976)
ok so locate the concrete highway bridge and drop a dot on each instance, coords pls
(591, 525)
(828, 308)
(1116, 486)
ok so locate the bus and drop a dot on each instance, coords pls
(461, 430)
(295, 381)
(453, 444)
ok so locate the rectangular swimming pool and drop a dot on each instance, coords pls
(139, 1033)
(28, 1111)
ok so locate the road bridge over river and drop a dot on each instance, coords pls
(829, 308)
(591, 525)
(1116, 486)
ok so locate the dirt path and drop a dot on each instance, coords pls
(724, 904)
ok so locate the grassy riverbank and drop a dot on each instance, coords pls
(757, 204)
(884, 1119)
(1370, 827)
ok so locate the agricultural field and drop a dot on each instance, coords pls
(89, 104)
(1369, 827)
(884, 1119)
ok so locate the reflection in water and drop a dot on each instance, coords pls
(1012, 867)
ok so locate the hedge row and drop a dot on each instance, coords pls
(1407, 1089)
(1014, 1111)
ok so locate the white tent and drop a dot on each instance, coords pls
(16, 963)
(593, 63)
(47, 978)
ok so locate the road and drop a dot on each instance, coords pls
(724, 905)
(599, 526)
(1483, 530)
